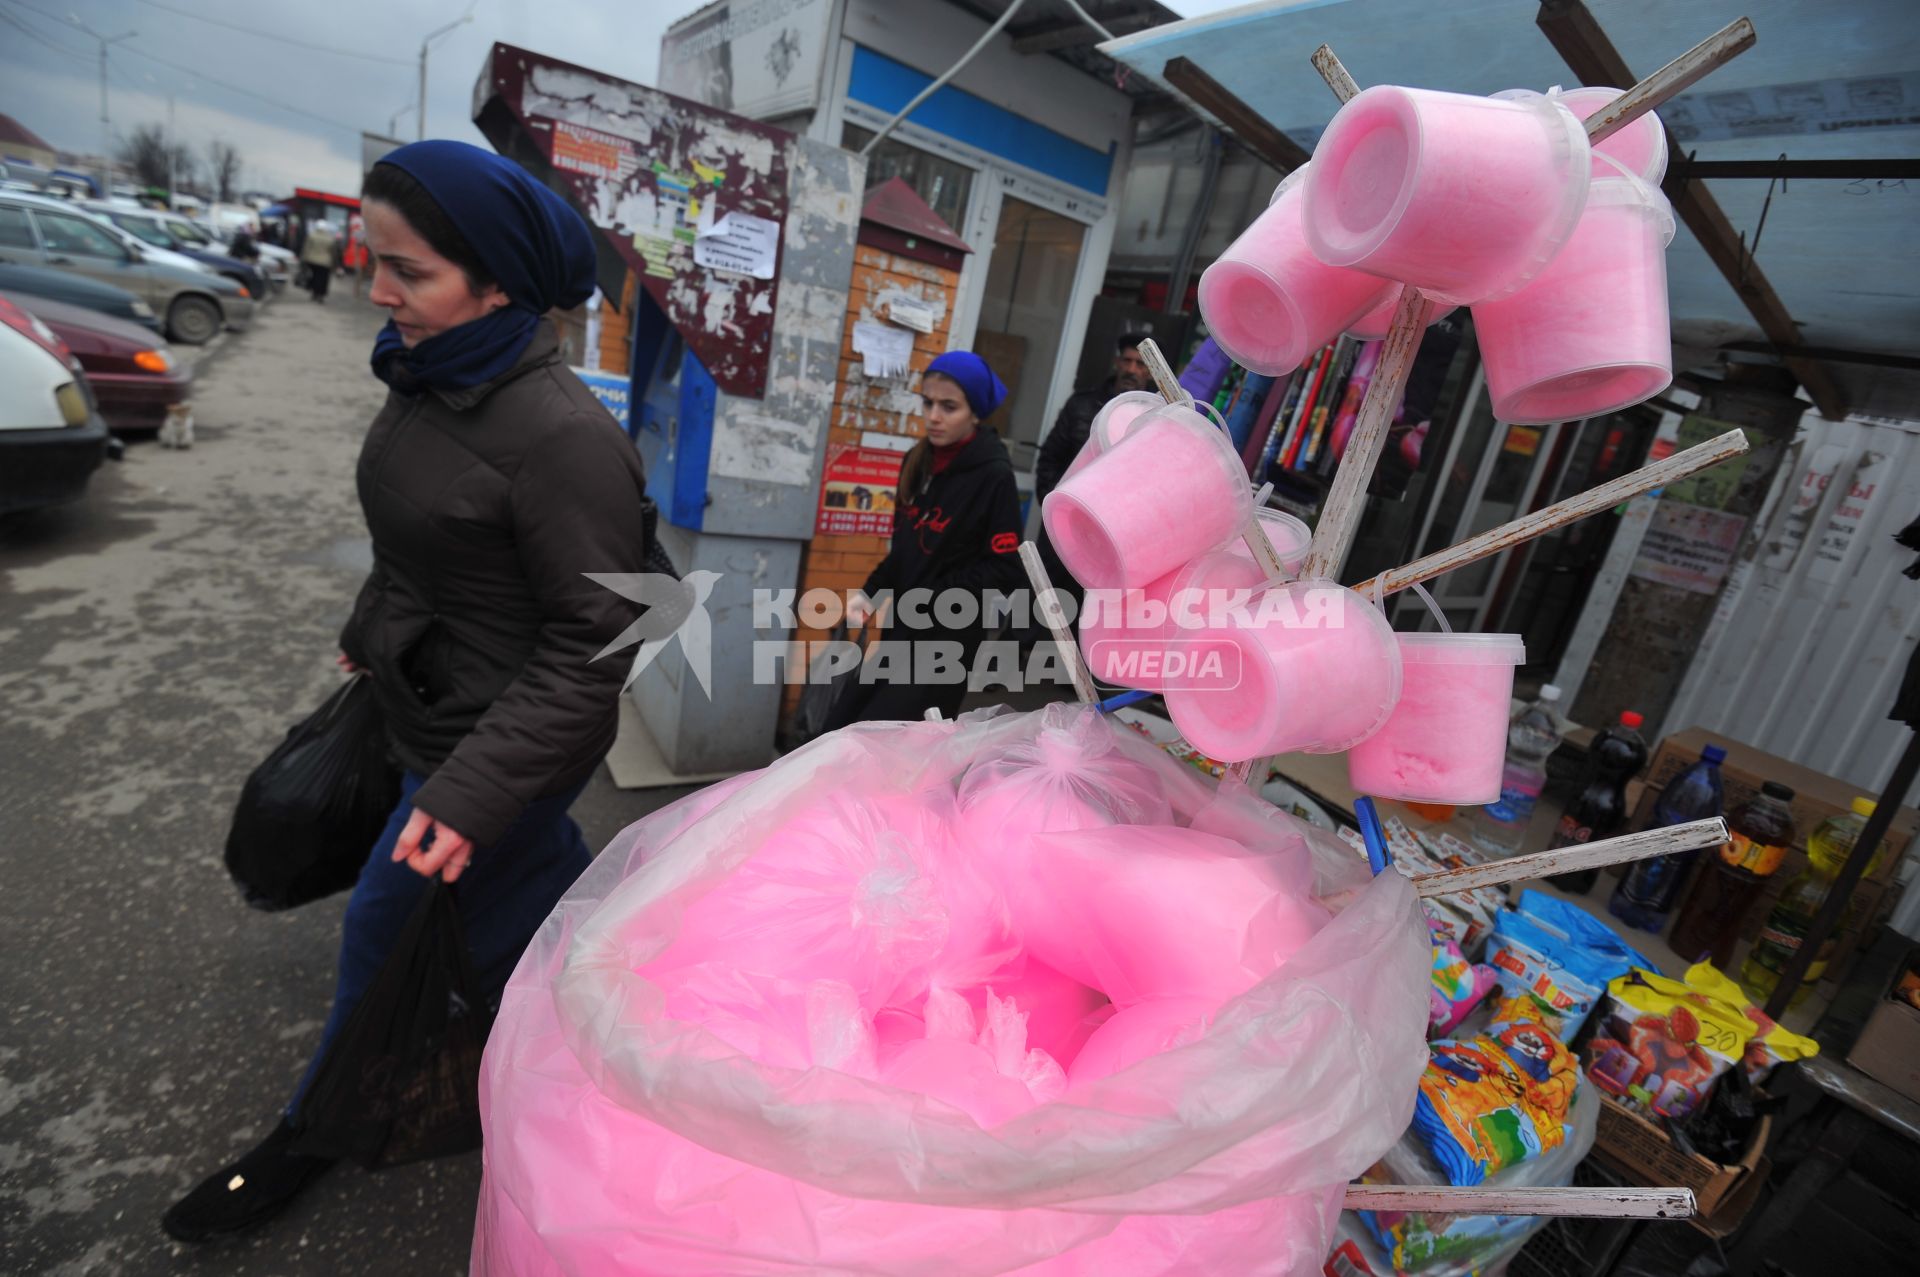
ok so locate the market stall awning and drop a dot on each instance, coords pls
(1834, 81)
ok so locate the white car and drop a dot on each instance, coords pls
(51, 439)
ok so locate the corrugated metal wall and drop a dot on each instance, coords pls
(1811, 638)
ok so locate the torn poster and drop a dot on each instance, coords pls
(910, 312)
(885, 348)
(738, 242)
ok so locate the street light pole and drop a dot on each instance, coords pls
(106, 127)
(393, 121)
(421, 133)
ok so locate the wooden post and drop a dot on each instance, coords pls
(1343, 85)
(1169, 385)
(1581, 1203)
(1560, 513)
(1691, 836)
(1724, 45)
(1347, 498)
(1056, 620)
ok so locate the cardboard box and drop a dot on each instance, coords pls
(1647, 1156)
(1889, 1048)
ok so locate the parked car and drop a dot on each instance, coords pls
(170, 231)
(133, 376)
(78, 290)
(51, 439)
(193, 302)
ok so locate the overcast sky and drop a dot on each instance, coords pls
(296, 113)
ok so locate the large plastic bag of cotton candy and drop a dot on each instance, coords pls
(654, 1105)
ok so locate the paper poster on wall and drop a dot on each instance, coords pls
(1809, 488)
(1855, 507)
(1714, 486)
(856, 496)
(762, 449)
(887, 350)
(613, 390)
(738, 242)
(1688, 547)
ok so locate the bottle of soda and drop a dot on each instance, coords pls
(1827, 851)
(1534, 733)
(1650, 888)
(1616, 757)
(1709, 921)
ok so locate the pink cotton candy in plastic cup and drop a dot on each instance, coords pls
(1110, 426)
(1373, 325)
(1171, 490)
(1126, 635)
(1462, 197)
(1269, 302)
(1446, 741)
(1640, 147)
(1318, 672)
(1590, 335)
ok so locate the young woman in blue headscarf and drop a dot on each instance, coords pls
(491, 481)
(956, 527)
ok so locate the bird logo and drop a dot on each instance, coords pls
(674, 607)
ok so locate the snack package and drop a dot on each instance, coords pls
(1468, 915)
(1771, 1044)
(1440, 1245)
(1497, 1099)
(1458, 985)
(1558, 955)
(1661, 1045)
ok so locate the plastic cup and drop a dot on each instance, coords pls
(1463, 197)
(1127, 636)
(1291, 540)
(1373, 325)
(1589, 336)
(1269, 301)
(1171, 490)
(1446, 741)
(1110, 425)
(1319, 672)
(1641, 147)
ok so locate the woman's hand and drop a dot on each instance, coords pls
(859, 610)
(346, 664)
(447, 853)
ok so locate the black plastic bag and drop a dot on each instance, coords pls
(401, 1081)
(817, 698)
(311, 812)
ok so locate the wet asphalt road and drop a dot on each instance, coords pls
(156, 639)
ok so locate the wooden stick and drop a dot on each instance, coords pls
(1681, 464)
(1582, 1203)
(1724, 45)
(1169, 385)
(1056, 619)
(1343, 85)
(1347, 498)
(1691, 836)
(933, 714)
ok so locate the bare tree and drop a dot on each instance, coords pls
(223, 169)
(146, 151)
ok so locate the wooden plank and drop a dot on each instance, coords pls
(1574, 32)
(1344, 86)
(1879, 170)
(1645, 845)
(1347, 498)
(1718, 49)
(1580, 1203)
(1055, 618)
(1661, 473)
(1246, 125)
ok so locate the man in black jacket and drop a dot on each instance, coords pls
(1063, 443)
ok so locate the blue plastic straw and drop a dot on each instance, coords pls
(1371, 833)
(1121, 701)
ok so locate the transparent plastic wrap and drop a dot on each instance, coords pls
(621, 1138)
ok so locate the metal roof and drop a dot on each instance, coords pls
(1828, 81)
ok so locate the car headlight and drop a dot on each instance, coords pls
(141, 309)
(154, 360)
(73, 403)
(43, 332)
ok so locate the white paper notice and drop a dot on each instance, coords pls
(911, 312)
(738, 242)
(885, 348)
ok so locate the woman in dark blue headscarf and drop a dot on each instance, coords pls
(492, 482)
(956, 536)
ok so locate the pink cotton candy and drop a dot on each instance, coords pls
(1145, 913)
(1137, 1032)
(1446, 741)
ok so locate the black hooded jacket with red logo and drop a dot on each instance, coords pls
(961, 531)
